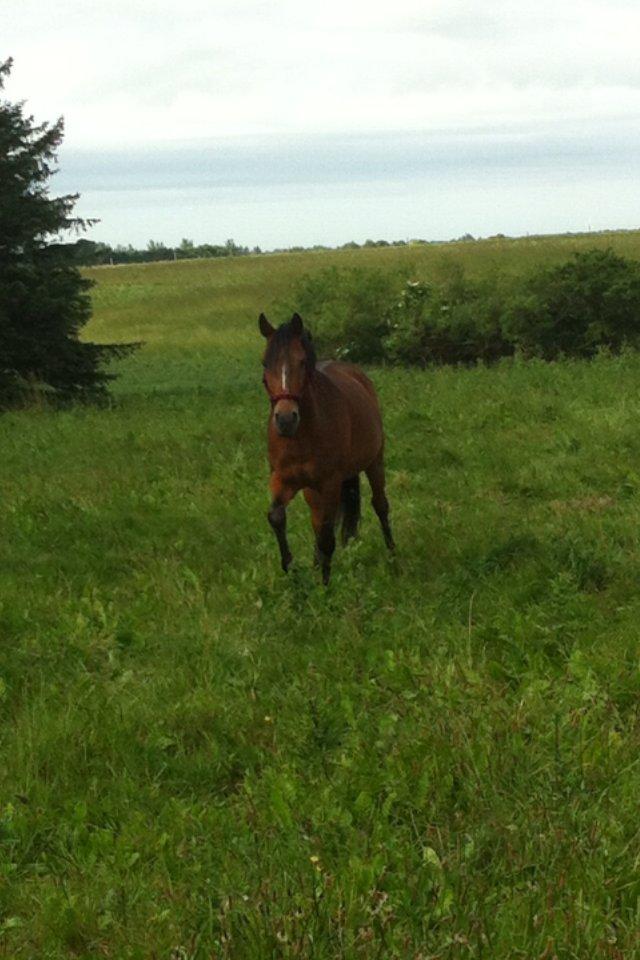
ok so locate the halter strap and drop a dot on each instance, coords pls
(284, 396)
(277, 397)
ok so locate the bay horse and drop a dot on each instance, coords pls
(325, 428)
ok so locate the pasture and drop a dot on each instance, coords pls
(435, 757)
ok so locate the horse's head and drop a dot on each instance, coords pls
(289, 361)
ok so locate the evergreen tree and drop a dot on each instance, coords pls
(44, 300)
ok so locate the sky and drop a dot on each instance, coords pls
(286, 122)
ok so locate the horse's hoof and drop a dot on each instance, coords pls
(286, 563)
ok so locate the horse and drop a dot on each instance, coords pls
(325, 428)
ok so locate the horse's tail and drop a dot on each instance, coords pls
(350, 505)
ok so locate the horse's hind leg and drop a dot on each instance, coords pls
(350, 501)
(375, 475)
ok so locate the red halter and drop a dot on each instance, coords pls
(277, 397)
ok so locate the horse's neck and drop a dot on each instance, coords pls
(321, 391)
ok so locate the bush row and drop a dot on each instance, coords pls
(589, 303)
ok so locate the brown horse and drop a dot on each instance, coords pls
(324, 429)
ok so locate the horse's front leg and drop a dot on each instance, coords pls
(281, 497)
(324, 504)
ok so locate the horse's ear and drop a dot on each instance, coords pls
(296, 324)
(265, 327)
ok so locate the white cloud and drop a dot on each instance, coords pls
(284, 121)
(142, 71)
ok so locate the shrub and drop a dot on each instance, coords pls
(349, 310)
(368, 316)
(456, 322)
(575, 309)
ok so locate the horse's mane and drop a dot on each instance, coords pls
(281, 340)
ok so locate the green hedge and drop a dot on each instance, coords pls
(575, 309)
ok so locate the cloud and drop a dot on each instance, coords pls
(339, 119)
(281, 160)
(152, 71)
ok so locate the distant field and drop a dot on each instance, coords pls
(214, 301)
(203, 758)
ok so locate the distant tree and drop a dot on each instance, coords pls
(89, 253)
(157, 250)
(187, 250)
(44, 300)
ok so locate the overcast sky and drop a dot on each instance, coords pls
(287, 121)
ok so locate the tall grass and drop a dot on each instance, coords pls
(204, 758)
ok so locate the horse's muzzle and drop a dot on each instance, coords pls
(287, 422)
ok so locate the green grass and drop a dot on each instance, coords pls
(204, 758)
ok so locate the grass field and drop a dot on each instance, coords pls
(433, 758)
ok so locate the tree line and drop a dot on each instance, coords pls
(91, 253)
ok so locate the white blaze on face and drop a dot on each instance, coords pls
(284, 378)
